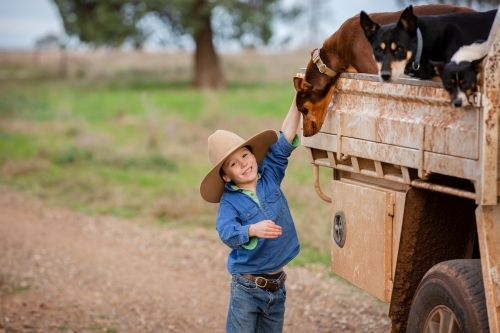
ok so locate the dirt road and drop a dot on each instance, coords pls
(62, 271)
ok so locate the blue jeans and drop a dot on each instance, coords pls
(253, 309)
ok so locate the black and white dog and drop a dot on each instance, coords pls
(407, 46)
(460, 75)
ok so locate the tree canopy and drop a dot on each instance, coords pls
(117, 22)
(102, 22)
(48, 42)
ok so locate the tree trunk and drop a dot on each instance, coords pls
(63, 62)
(207, 71)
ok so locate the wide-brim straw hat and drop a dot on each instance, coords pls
(221, 144)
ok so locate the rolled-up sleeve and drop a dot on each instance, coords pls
(230, 229)
(277, 158)
(286, 146)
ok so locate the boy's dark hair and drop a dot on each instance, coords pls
(221, 173)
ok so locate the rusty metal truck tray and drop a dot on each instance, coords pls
(405, 125)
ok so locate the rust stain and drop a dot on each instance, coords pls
(436, 228)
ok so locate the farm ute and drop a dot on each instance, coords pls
(414, 197)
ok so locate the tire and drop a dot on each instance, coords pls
(450, 299)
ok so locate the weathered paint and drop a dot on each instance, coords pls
(398, 113)
(406, 124)
(371, 225)
(488, 171)
(488, 227)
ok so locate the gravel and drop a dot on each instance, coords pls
(62, 271)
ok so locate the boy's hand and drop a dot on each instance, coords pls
(264, 229)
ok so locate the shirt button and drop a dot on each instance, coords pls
(263, 206)
(248, 214)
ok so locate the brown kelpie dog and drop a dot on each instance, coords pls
(347, 50)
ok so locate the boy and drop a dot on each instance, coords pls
(254, 220)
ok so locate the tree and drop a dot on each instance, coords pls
(48, 42)
(102, 22)
(117, 22)
(51, 42)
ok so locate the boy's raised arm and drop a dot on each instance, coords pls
(291, 122)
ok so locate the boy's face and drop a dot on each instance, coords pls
(241, 168)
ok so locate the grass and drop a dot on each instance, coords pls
(64, 327)
(309, 255)
(10, 284)
(136, 148)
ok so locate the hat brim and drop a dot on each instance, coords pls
(212, 186)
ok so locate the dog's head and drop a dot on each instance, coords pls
(392, 44)
(314, 92)
(459, 80)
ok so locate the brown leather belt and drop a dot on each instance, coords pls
(264, 283)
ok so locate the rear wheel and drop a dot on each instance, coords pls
(450, 299)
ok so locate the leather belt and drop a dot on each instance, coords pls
(264, 283)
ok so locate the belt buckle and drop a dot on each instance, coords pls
(257, 282)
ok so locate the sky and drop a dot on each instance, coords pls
(22, 22)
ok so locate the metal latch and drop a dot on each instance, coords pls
(390, 205)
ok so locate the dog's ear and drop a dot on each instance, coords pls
(477, 65)
(301, 85)
(369, 27)
(437, 66)
(408, 21)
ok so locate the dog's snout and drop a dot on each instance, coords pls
(456, 103)
(385, 75)
(314, 126)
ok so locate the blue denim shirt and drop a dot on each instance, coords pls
(237, 211)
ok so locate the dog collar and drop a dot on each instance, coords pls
(321, 66)
(416, 62)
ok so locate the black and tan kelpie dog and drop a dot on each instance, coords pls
(407, 45)
(462, 75)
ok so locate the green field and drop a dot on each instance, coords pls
(137, 148)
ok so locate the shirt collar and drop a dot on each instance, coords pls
(231, 186)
